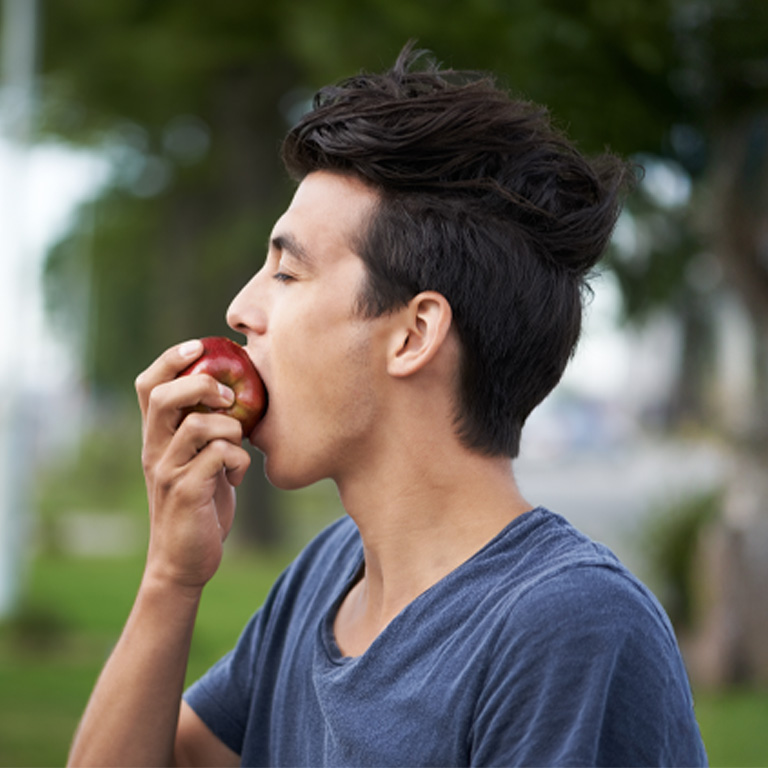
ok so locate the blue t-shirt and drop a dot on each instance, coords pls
(541, 649)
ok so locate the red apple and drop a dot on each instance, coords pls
(229, 363)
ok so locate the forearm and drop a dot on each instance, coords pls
(192, 464)
(132, 715)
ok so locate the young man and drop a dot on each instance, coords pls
(420, 296)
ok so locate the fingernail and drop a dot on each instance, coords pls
(226, 392)
(190, 348)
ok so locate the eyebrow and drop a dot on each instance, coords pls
(289, 244)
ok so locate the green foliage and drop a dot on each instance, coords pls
(146, 61)
(156, 272)
(176, 233)
(669, 542)
(103, 475)
(655, 273)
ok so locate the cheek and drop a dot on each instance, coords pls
(322, 356)
(333, 387)
(338, 373)
(356, 394)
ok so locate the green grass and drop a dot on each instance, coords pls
(734, 725)
(52, 652)
(74, 611)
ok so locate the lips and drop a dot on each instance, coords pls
(265, 412)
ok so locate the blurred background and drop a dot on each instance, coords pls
(139, 178)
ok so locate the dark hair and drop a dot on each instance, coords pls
(483, 201)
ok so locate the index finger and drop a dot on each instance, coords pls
(167, 367)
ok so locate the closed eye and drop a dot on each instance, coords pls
(282, 277)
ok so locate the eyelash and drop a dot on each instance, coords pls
(281, 277)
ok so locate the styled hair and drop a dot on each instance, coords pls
(481, 200)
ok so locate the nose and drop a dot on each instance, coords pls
(246, 313)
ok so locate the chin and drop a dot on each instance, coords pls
(287, 478)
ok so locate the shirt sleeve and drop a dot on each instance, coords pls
(235, 698)
(586, 672)
(221, 697)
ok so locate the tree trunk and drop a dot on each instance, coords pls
(235, 207)
(729, 646)
(738, 216)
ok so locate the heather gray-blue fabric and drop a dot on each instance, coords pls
(542, 649)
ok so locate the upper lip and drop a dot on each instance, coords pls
(256, 365)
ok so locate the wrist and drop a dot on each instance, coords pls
(161, 583)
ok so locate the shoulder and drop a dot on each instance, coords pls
(598, 620)
(569, 612)
(604, 592)
(564, 586)
(582, 660)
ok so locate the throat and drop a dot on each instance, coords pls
(414, 541)
(353, 628)
(365, 613)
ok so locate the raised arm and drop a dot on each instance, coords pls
(192, 465)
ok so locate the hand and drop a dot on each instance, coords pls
(192, 465)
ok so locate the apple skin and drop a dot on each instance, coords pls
(229, 363)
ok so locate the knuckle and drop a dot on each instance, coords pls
(205, 386)
(156, 398)
(139, 383)
(218, 452)
(221, 447)
(164, 480)
(148, 463)
(194, 423)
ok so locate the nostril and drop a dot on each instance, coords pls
(246, 319)
(246, 311)
(234, 321)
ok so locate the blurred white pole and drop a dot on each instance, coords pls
(17, 71)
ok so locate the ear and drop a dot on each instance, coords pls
(423, 327)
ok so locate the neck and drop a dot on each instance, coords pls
(419, 520)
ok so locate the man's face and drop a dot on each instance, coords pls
(318, 357)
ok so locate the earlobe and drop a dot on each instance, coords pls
(426, 321)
